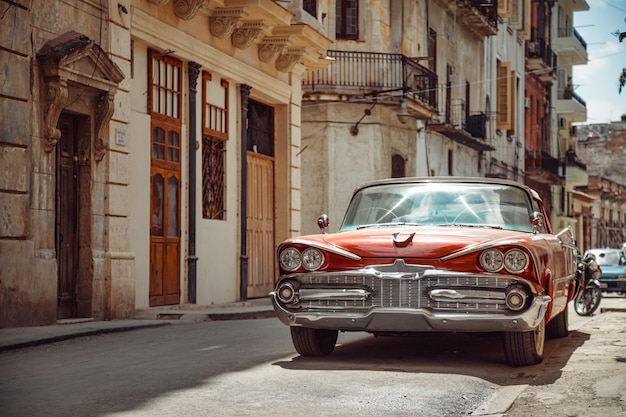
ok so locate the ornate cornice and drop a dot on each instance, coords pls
(271, 47)
(250, 31)
(289, 59)
(187, 9)
(223, 22)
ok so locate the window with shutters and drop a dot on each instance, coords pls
(346, 21)
(513, 102)
(214, 136)
(504, 9)
(504, 87)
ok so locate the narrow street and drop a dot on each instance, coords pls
(249, 368)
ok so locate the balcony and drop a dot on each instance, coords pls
(354, 74)
(542, 167)
(571, 105)
(575, 171)
(541, 60)
(481, 16)
(570, 46)
(458, 124)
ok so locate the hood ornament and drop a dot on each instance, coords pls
(402, 243)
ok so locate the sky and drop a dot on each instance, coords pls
(596, 82)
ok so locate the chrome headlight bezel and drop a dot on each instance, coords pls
(492, 260)
(515, 261)
(290, 259)
(312, 259)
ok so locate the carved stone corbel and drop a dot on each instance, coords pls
(187, 9)
(103, 111)
(289, 59)
(223, 22)
(56, 96)
(247, 33)
(271, 47)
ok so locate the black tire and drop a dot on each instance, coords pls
(525, 348)
(587, 301)
(558, 326)
(313, 342)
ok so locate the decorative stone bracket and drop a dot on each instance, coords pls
(286, 61)
(186, 9)
(271, 47)
(244, 35)
(268, 23)
(223, 22)
(56, 97)
(76, 58)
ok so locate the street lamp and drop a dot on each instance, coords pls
(403, 115)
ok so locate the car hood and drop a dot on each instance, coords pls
(418, 242)
(612, 271)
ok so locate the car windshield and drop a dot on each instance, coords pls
(608, 257)
(440, 204)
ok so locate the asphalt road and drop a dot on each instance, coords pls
(249, 368)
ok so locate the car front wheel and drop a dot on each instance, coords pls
(313, 342)
(525, 348)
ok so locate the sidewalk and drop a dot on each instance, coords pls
(20, 337)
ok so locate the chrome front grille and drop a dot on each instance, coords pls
(404, 290)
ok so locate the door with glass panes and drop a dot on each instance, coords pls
(165, 93)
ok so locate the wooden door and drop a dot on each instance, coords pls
(260, 199)
(260, 224)
(67, 217)
(165, 217)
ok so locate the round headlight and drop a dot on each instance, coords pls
(312, 259)
(592, 265)
(290, 259)
(492, 260)
(515, 261)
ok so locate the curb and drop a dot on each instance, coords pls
(77, 334)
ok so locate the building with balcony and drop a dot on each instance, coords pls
(403, 95)
(505, 100)
(147, 148)
(542, 163)
(571, 50)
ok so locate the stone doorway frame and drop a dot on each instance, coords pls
(79, 78)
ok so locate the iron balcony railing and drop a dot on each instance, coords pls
(374, 74)
(541, 161)
(568, 94)
(569, 32)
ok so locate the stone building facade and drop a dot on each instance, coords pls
(149, 152)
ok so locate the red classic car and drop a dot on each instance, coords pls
(437, 254)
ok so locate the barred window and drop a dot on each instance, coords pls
(214, 137)
(213, 151)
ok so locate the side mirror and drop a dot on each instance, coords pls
(323, 222)
(536, 220)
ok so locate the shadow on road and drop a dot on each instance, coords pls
(472, 354)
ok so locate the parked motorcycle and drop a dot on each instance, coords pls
(588, 292)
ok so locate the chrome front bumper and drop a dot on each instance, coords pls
(393, 319)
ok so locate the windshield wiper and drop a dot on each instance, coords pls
(394, 224)
(489, 226)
